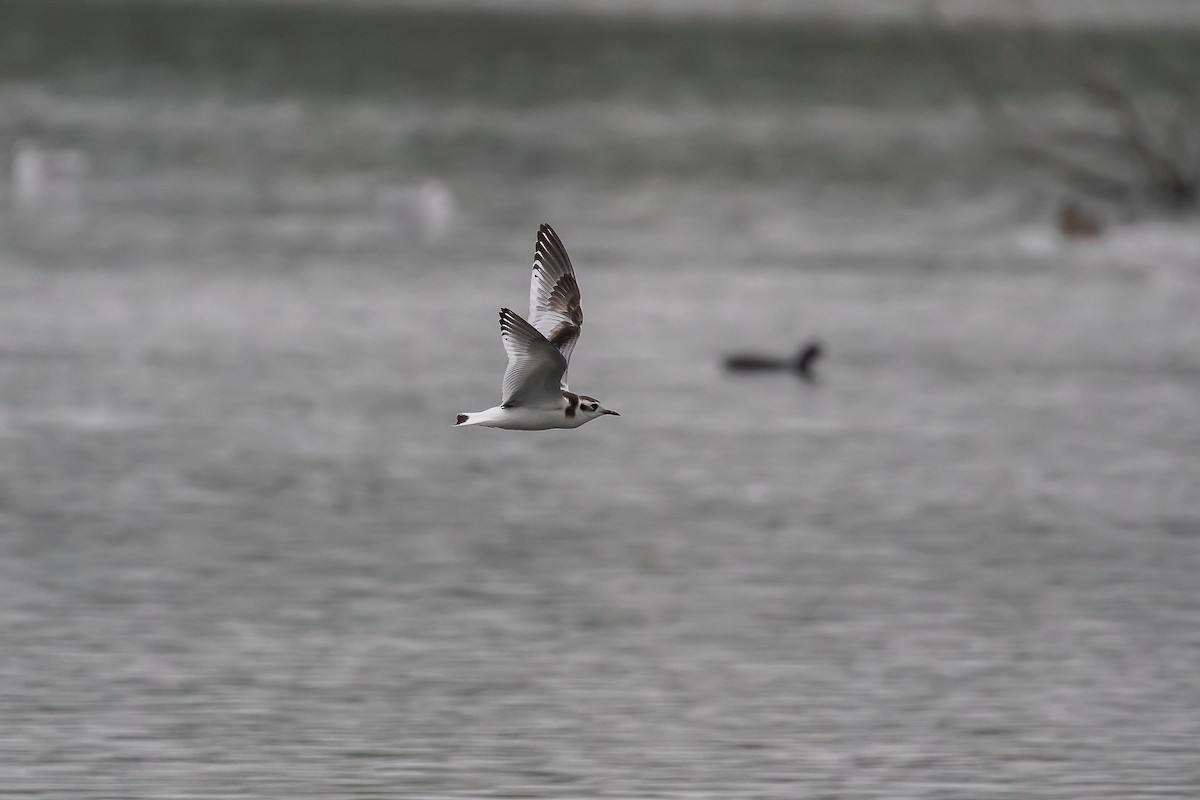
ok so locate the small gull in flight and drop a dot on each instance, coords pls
(535, 393)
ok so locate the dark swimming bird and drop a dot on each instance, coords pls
(802, 363)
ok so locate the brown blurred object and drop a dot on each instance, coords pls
(1076, 222)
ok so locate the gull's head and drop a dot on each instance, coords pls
(590, 408)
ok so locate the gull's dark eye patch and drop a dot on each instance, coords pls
(593, 406)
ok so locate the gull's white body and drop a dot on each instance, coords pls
(526, 419)
(535, 393)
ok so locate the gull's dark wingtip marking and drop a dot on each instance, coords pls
(550, 248)
(461, 419)
(545, 239)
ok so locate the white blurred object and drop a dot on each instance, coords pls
(429, 209)
(44, 177)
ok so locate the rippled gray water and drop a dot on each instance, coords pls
(244, 554)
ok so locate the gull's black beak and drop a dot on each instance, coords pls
(609, 411)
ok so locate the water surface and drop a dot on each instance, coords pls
(243, 553)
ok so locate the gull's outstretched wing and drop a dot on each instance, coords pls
(554, 308)
(535, 367)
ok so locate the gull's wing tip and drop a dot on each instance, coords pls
(547, 236)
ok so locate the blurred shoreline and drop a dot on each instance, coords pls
(221, 127)
(517, 56)
(1102, 13)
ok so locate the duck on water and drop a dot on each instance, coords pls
(802, 364)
